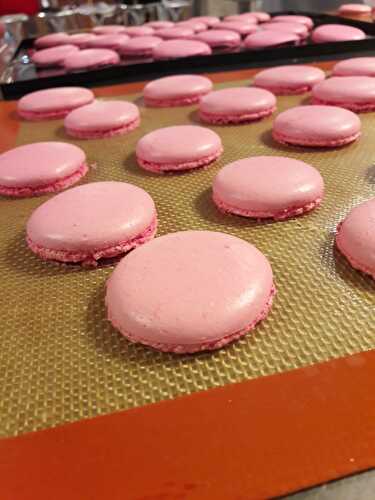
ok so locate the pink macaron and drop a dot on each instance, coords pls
(190, 291)
(317, 126)
(53, 56)
(356, 93)
(177, 32)
(247, 17)
(262, 17)
(81, 39)
(40, 168)
(354, 9)
(52, 40)
(236, 105)
(356, 66)
(178, 148)
(270, 38)
(53, 103)
(337, 33)
(108, 29)
(239, 27)
(289, 79)
(305, 20)
(209, 21)
(176, 49)
(159, 25)
(139, 31)
(220, 38)
(244, 188)
(91, 59)
(110, 41)
(296, 28)
(194, 25)
(139, 46)
(91, 222)
(102, 119)
(356, 237)
(177, 90)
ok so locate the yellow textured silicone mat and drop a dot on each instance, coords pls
(60, 360)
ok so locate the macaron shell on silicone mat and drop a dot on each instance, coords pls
(61, 360)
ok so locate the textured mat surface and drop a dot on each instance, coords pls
(60, 360)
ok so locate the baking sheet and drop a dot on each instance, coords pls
(60, 360)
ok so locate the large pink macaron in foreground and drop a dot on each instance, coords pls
(236, 105)
(356, 93)
(102, 119)
(139, 31)
(92, 222)
(52, 40)
(139, 46)
(289, 79)
(53, 56)
(297, 28)
(108, 29)
(53, 103)
(91, 59)
(81, 39)
(177, 90)
(178, 148)
(356, 237)
(190, 291)
(265, 39)
(109, 41)
(317, 126)
(220, 38)
(40, 168)
(337, 33)
(291, 18)
(354, 9)
(268, 187)
(242, 28)
(355, 66)
(177, 49)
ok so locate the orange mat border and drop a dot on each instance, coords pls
(256, 439)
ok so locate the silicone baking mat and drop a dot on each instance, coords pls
(60, 360)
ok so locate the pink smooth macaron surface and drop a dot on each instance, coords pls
(40, 167)
(240, 27)
(356, 237)
(307, 21)
(179, 147)
(219, 38)
(317, 126)
(102, 119)
(354, 8)
(108, 29)
(81, 39)
(194, 25)
(53, 103)
(91, 221)
(247, 17)
(355, 66)
(91, 58)
(176, 49)
(176, 32)
(270, 38)
(352, 92)
(139, 30)
(268, 186)
(139, 46)
(53, 56)
(208, 20)
(108, 41)
(176, 90)
(289, 79)
(157, 25)
(336, 33)
(190, 291)
(52, 40)
(297, 28)
(236, 105)
(262, 17)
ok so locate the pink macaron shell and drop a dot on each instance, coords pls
(354, 8)
(158, 25)
(336, 33)
(190, 291)
(244, 188)
(81, 39)
(196, 26)
(110, 41)
(356, 93)
(356, 237)
(102, 119)
(356, 66)
(210, 21)
(270, 38)
(236, 105)
(289, 79)
(219, 38)
(109, 29)
(52, 40)
(317, 126)
(238, 26)
(307, 21)
(139, 31)
(90, 59)
(53, 56)
(53, 103)
(93, 221)
(180, 147)
(262, 17)
(247, 17)
(297, 28)
(139, 46)
(175, 49)
(41, 167)
(177, 32)
(177, 90)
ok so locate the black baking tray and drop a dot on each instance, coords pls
(21, 77)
